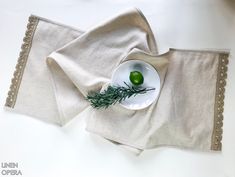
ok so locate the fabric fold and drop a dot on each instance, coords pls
(89, 60)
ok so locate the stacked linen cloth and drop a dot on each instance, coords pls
(59, 65)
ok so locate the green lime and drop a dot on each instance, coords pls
(136, 78)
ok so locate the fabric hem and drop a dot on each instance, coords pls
(225, 51)
(155, 49)
(57, 23)
(121, 141)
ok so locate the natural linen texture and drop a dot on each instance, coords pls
(59, 65)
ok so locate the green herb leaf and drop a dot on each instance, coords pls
(113, 95)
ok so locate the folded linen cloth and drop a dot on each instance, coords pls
(59, 65)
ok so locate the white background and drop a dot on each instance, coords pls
(44, 150)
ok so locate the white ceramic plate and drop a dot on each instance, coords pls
(151, 80)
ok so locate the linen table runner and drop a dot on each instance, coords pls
(58, 65)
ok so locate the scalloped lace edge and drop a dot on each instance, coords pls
(22, 60)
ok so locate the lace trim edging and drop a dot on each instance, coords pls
(22, 60)
(219, 102)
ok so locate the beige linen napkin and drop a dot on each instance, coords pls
(59, 65)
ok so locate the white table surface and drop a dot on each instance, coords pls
(44, 150)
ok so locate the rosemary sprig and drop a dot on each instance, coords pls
(113, 95)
